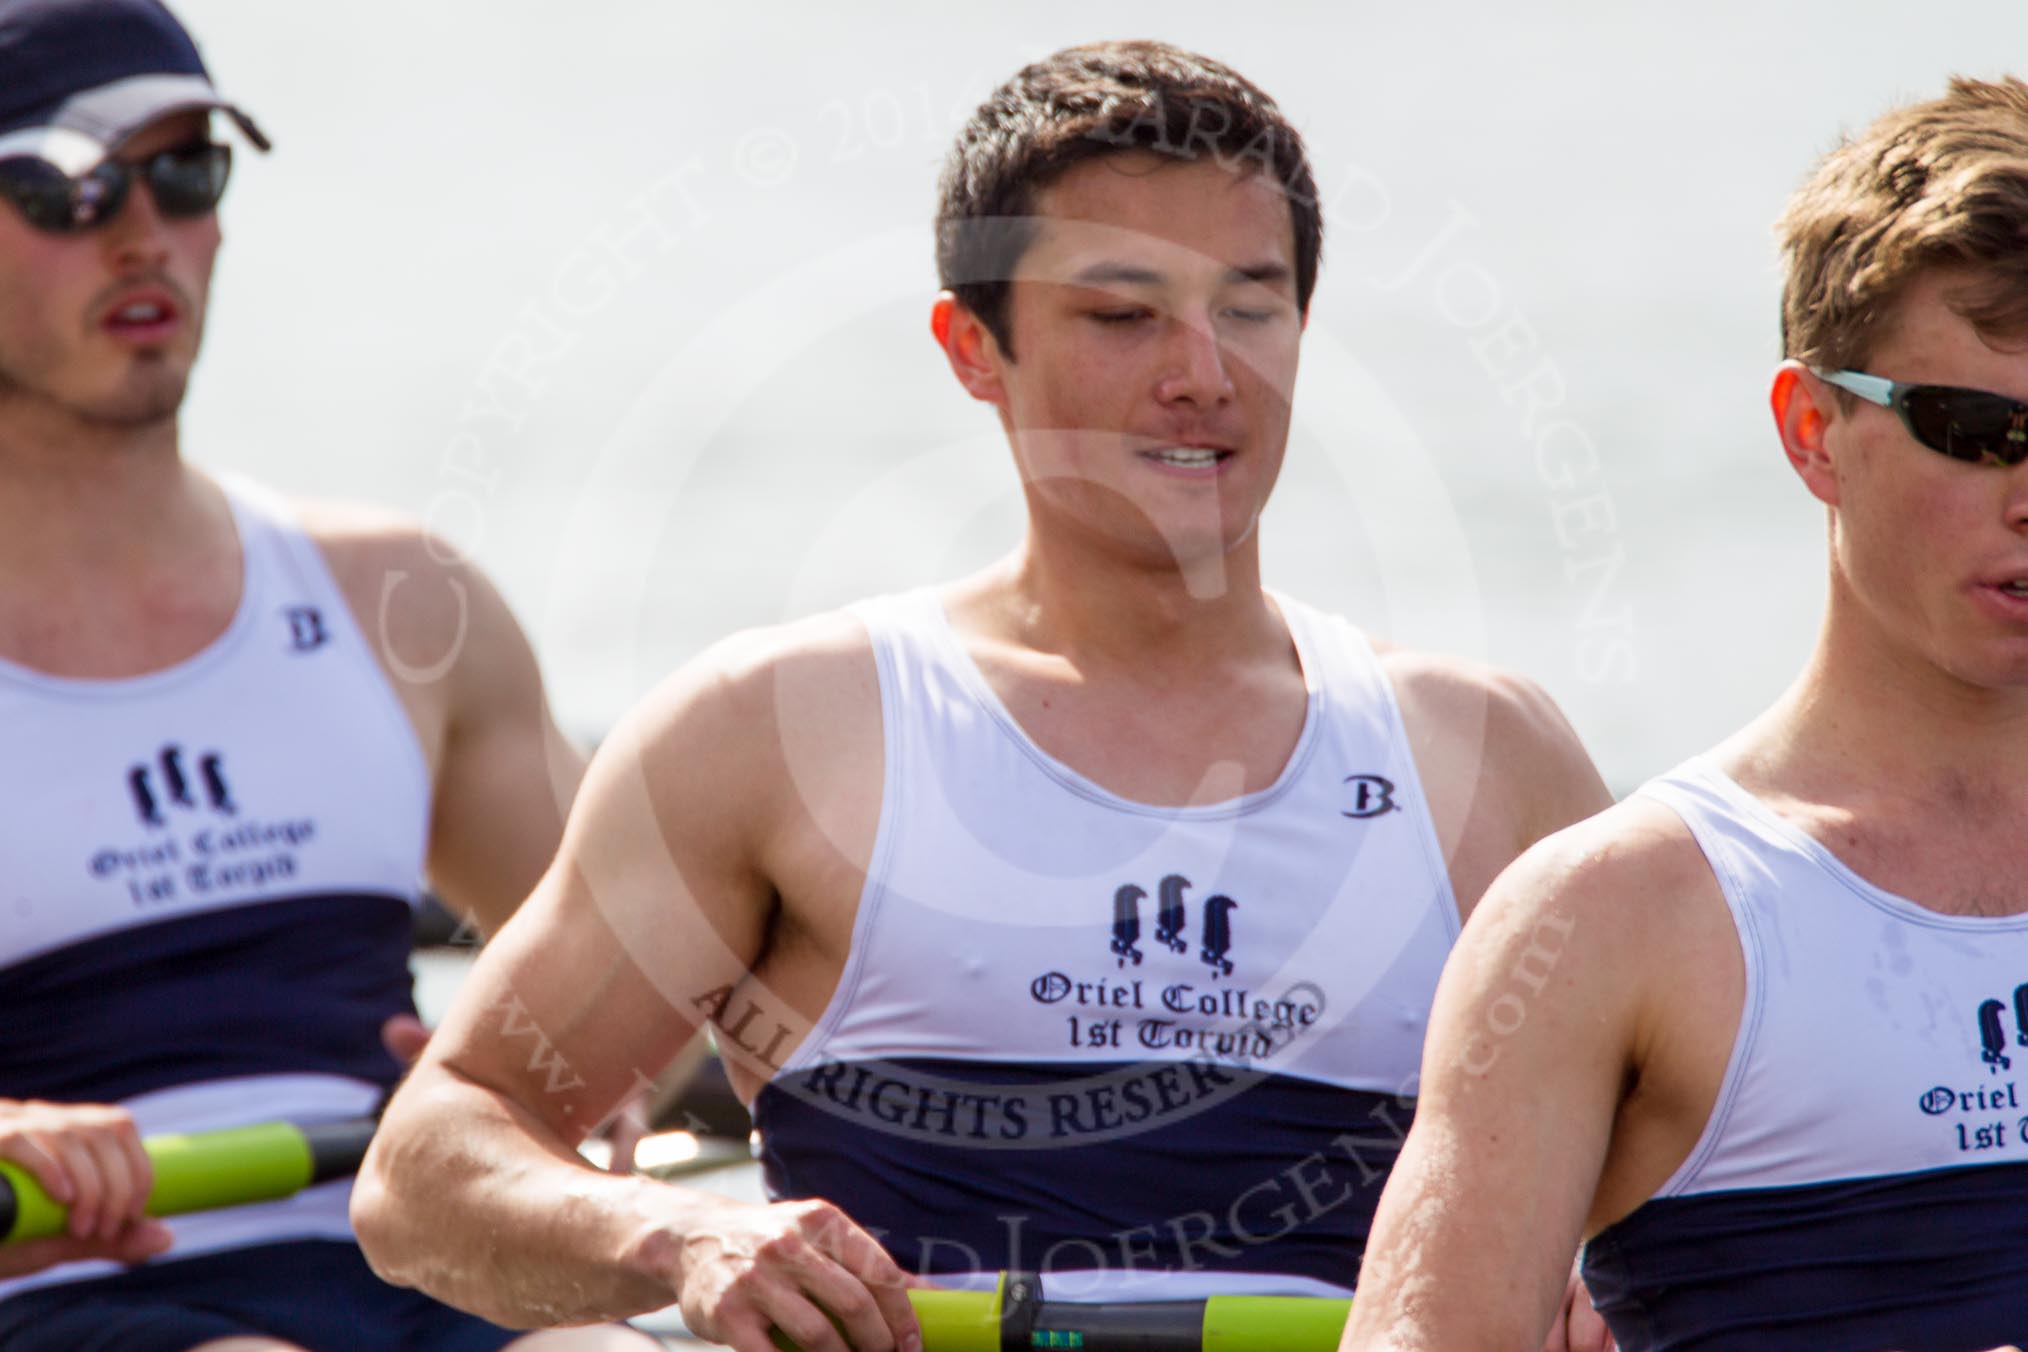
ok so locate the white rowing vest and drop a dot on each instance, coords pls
(1144, 1050)
(1863, 1179)
(210, 869)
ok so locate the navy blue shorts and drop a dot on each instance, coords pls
(317, 1293)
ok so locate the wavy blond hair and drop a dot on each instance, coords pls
(1942, 184)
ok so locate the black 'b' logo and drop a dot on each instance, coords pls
(1371, 796)
(306, 629)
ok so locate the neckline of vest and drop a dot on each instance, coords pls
(247, 526)
(1892, 903)
(945, 637)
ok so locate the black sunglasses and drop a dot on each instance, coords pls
(1969, 425)
(186, 181)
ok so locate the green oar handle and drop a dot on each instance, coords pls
(970, 1321)
(952, 1321)
(203, 1171)
(1275, 1323)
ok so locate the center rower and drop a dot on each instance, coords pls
(1081, 915)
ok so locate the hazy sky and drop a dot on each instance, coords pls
(629, 300)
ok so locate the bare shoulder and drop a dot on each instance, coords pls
(765, 673)
(1441, 694)
(1613, 943)
(1500, 765)
(1595, 919)
(783, 707)
(414, 592)
(1659, 916)
(365, 535)
(1635, 863)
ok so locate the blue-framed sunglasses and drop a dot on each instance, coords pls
(186, 181)
(1970, 425)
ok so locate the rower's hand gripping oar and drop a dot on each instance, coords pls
(204, 1170)
(1015, 1318)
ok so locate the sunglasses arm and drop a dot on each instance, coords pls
(1874, 389)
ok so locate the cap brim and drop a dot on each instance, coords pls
(90, 126)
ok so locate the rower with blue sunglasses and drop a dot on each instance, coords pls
(222, 787)
(1765, 1037)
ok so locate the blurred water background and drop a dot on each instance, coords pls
(629, 300)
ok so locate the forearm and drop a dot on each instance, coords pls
(473, 1199)
(1443, 1275)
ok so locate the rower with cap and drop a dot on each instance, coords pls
(221, 789)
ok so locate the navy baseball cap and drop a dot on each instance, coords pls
(78, 77)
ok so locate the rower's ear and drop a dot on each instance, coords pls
(970, 348)
(1800, 402)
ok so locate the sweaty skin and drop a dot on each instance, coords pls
(714, 861)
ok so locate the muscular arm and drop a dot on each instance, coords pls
(661, 895)
(507, 774)
(463, 670)
(1543, 1022)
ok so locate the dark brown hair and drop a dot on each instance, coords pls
(1942, 184)
(1101, 99)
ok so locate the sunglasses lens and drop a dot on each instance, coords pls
(186, 182)
(51, 201)
(1969, 425)
(190, 181)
